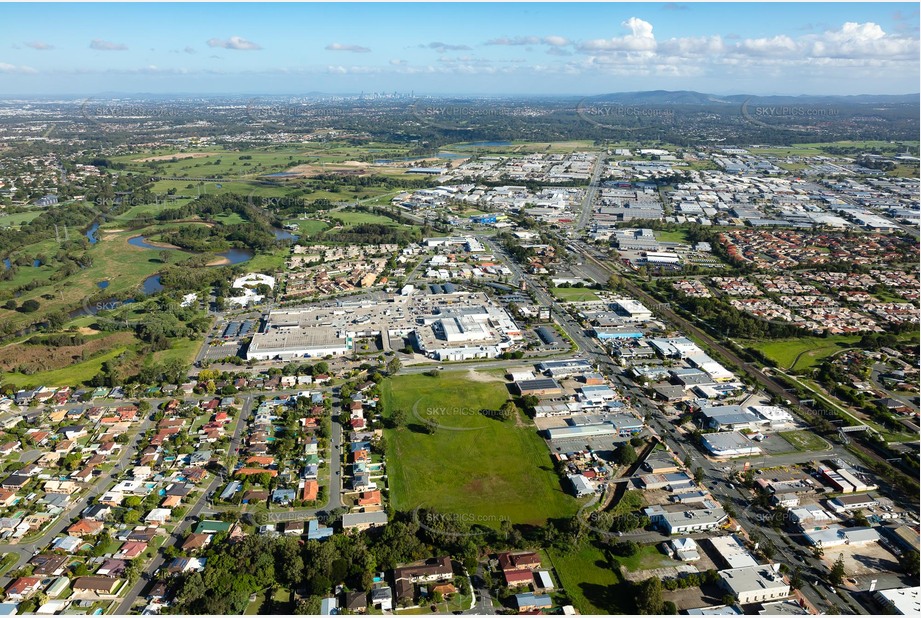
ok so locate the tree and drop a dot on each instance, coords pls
(131, 516)
(430, 426)
(30, 306)
(508, 410)
(625, 455)
(698, 474)
(836, 575)
(908, 562)
(649, 596)
(398, 418)
(394, 365)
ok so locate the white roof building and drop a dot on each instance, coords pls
(755, 584)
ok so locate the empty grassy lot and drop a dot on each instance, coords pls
(574, 294)
(804, 440)
(475, 466)
(801, 354)
(590, 582)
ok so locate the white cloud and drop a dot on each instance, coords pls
(640, 39)
(39, 45)
(855, 40)
(443, 47)
(556, 41)
(693, 46)
(100, 45)
(234, 42)
(780, 45)
(517, 40)
(189, 49)
(357, 49)
(396, 62)
(19, 69)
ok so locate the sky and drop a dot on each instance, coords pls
(454, 48)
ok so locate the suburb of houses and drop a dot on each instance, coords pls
(323, 358)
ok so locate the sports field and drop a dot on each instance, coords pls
(480, 468)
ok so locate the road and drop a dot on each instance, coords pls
(101, 485)
(590, 191)
(176, 537)
(483, 606)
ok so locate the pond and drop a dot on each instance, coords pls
(281, 175)
(103, 285)
(281, 234)
(152, 285)
(91, 233)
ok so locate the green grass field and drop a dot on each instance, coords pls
(574, 294)
(481, 468)
(648, 557)
(805, 353)
(804, 440)
(671, 235)
(349, 219)
(309, 227)
(19, 218)
(590, 583)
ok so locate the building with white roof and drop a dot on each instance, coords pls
(733, 552)
(755, 584)
(904, 601)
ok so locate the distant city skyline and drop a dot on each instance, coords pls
(474, 49)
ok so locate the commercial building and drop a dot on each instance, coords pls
(729, 444)
(732, 552)
(755, 584)
(684, 521)
(730, 418)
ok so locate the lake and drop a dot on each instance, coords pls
(234, 256)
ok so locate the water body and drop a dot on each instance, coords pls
(36, 263)
(281, 234)
(103, 285)
(140, 241)
(237, 256)
(234, 256)
(281, 175)
(152, 285)
(91, 234)
(451, 155)
(7, 263)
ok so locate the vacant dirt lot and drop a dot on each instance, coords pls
(861, 560)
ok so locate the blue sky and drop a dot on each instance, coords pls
(516, 48)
